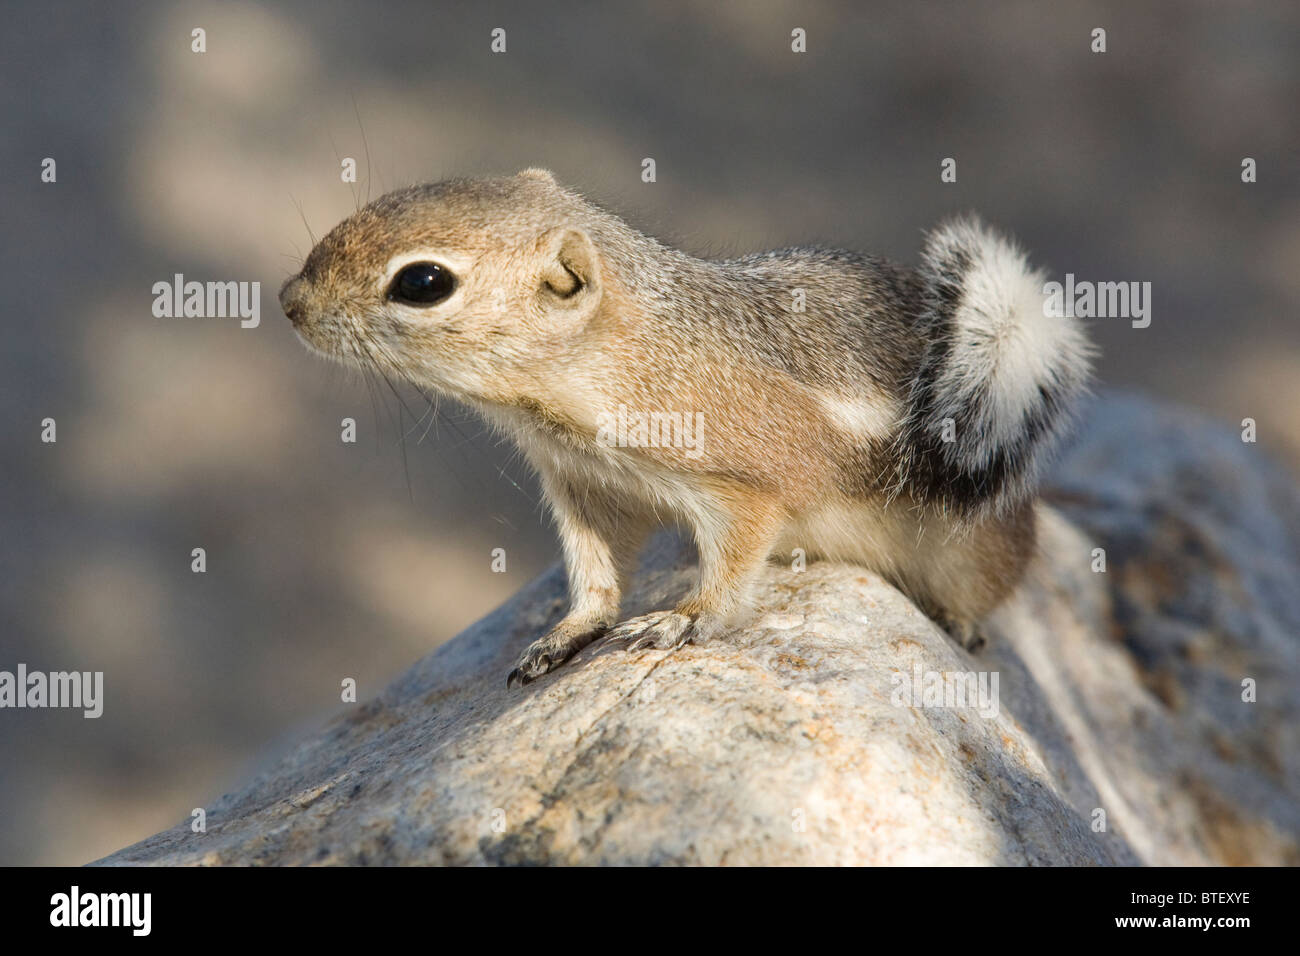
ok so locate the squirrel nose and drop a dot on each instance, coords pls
(292, 296)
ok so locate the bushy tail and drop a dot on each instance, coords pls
(999, 380)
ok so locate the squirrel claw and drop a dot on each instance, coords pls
(664, 630)
(535, 662)
(547, 653)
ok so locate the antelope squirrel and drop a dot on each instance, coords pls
(893, 417)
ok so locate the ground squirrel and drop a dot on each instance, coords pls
(862, 411)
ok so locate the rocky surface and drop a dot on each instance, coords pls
(1120, 734)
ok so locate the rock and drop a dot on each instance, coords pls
(1119, 698)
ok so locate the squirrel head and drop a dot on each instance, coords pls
(455, 285)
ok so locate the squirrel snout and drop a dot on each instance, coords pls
(292, 300)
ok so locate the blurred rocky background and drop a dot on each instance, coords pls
(327, 560)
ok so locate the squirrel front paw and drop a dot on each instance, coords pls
(665, 630)
(549, 652)
(662, 629)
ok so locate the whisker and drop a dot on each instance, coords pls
(382, 351)
(303, 216)
(352, 186)
(356, 109)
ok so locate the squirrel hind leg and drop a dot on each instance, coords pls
(960, 582)
(964, 630)
(968, 634)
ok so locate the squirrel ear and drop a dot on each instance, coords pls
(541, 175)
(571, 270)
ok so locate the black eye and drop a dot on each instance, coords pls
(424, 283)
